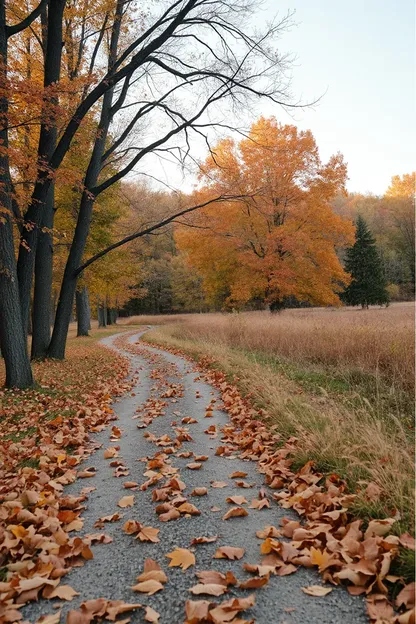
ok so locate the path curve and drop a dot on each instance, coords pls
(116, 566)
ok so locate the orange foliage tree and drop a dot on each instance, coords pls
(279, 241)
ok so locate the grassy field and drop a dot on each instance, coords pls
(341, 381)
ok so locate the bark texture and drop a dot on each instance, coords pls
(83, 311)
(44, 248)
(12, 337)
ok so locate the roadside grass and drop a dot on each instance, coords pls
(350, 417)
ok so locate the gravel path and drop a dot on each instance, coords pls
(116, 566)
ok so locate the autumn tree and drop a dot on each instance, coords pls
(401, 202)
(368, 286)
(281, 240)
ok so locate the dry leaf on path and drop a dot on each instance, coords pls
(181, 557)
(236, 500)
(199, 491)
(229, 552)
(148, 587)
(316, 590)
(151, 615)
(203, 540)
(219, 484)
(126, 501)
(210, 588)
(64, 592)
(235, 512)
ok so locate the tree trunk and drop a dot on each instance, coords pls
(69, 281)
(37, 211)
(44, 249)
(12, 337)
(102, 317)
(83, 311)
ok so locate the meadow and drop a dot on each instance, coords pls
(340, 380)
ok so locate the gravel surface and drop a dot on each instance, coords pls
(115, 566)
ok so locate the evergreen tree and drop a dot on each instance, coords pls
(368, 285)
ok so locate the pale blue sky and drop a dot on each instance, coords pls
(361, 55)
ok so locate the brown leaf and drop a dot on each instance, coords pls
(172, 514)
(203, 540)
(229, 552)
(181, 557)
(148, 534)
(111, 452)
(268, 531)
(259, 504)
(196, 611)
(235, 512)
(316, 590)
(151, 615)
(236, 500)
(238, 474)
(126, 501)
(130, 484)
(64, 592)
(255, 582)
(211, 589)
(200, 491)
(219, 484)
(188, 508)
(194, 466)
(148, 587)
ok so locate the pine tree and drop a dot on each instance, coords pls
(368, 286)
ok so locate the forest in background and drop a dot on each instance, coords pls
(170, 284)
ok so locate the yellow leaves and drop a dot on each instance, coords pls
(181, 557)
(18, 531)
(322, 559)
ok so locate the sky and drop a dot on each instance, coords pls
(358, 58)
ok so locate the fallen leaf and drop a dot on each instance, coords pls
(235, 512)
(316, 590)
(236, 500)
(211, 589)
(130, 484)
(203, 540)
(229, 552)
(64, 592)
(181, 557)
(126, 501)
(149, 587)
(196, 611)
(255, 582)
(238, 474)
(151, 615)
(219, 484)
(200, 491)
(194, 466)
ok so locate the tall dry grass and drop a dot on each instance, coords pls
(345, 434)
(379, 341)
